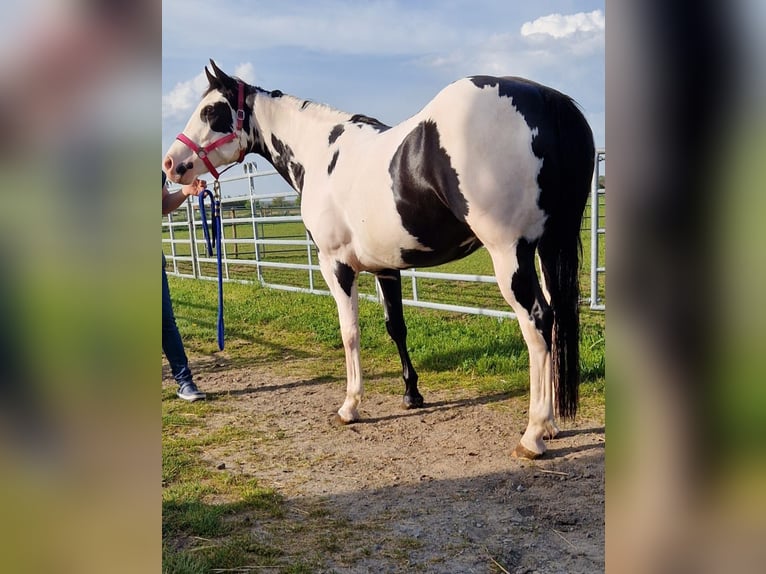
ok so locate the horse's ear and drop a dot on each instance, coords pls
(212, 80)
(222, 78)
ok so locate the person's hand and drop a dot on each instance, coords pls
(194, 188)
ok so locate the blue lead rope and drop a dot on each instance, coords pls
(213, 238)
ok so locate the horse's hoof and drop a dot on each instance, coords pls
(338, 420)
(412, 402)
(521, 452)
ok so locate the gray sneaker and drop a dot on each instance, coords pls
(190, 392)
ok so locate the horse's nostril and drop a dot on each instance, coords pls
(184, 167)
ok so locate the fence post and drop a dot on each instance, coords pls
(222, 247)
(192, 240)
(234, 232)
(172, 243)
(250, 170)
(309, 259)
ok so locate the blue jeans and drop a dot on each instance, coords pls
(172, 345)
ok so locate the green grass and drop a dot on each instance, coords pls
(206, 513)
(447, 349)
(214, 521)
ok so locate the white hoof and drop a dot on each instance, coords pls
(347, 416)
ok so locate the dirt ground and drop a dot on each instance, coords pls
(427, 490)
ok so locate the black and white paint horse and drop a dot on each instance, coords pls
(501, 162)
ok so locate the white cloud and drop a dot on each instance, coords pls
(562, 26)
(560, 63)
(572, 63)
(328, 26)
(186, 95)
(245, 72)
(558, 49)
(183, 97)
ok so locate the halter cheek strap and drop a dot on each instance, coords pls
(202, 152)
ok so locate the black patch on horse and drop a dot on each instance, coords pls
(361, 120)
(345, 276)
(526, 288)
(298, 172)
(336, 132)
(311, 237)
(276, 93)
(331, 167)
(282, 160)
(231, 92)
(218, 117)
(427, 195)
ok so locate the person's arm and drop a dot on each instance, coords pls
(171, 201)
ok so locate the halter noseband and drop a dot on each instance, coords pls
(202, 152)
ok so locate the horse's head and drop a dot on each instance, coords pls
(218, 132)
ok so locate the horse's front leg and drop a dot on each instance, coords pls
(341, 279)
(390, 283)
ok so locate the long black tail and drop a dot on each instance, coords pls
(569, 183)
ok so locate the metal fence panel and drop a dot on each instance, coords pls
(246, 257)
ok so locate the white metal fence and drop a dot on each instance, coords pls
(264, 241)
(596, 219)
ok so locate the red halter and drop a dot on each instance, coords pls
(202, 152)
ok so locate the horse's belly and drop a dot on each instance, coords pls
(381, 244)
(431, 257)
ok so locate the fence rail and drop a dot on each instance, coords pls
(277, 252)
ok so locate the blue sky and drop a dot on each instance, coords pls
(384, 58)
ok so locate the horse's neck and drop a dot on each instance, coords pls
(289, 125)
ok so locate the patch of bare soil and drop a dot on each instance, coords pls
(428, 490)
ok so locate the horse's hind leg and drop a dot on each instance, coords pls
(341, 279)
(553, 429)
(519, 284)
(390, 282)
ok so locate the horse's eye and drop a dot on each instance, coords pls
(207, 111)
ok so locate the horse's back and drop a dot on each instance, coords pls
(491, 112)
(465, 170)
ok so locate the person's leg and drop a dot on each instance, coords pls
(173, 346)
